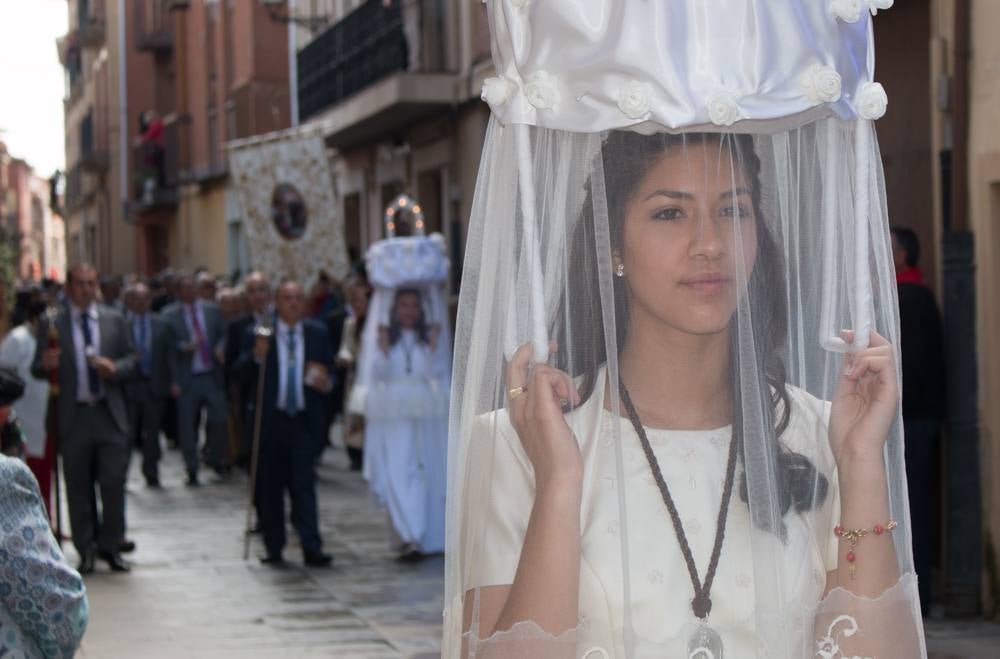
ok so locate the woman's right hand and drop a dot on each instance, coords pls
(538, 417)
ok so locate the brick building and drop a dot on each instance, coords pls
(26, 214)
(154, 89)
(213, 72)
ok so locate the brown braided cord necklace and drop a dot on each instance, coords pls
(705, 638)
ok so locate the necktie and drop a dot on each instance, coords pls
(291, 380)
(140, 331)
(199, 336)
(93, 382)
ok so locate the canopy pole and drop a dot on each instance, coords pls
(529, 244)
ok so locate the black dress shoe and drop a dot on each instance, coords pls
(114, 561)
(274, 560)
(126, 547)
(410, 553)
(318, 559)
(86, 564)
(192, 479)
(153, 483)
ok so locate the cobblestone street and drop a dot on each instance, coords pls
(191, 596)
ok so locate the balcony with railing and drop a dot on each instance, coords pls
(93, 156)
(80, 188)
(380, 66)
(90, 25)
(153, 26)
(159, 162)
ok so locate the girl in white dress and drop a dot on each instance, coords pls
(551, 520)
(406, 429)
(675, 428)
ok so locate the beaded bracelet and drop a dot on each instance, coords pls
(854, 535)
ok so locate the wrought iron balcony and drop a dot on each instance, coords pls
(366, 46)
(153, 26)
(80, 188)
(91, 29)
(159, 167)
(93, 155)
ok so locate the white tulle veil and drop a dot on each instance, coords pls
(796, 232)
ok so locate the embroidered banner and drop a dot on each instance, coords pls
(285, 186)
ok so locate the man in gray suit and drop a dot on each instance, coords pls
(147, 393)
(196, 331)
(93, 360)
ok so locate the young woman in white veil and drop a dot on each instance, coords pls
(705, 460)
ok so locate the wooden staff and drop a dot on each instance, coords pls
(52, 419)
(260, 332)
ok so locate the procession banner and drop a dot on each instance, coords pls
(285, 185)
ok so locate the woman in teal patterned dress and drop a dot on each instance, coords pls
(43, 604)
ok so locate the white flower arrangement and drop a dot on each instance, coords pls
(634, 99)
(822, 84)
(875, 5)
(497, 91)
(540, 90)
(722, 109)
(848, 11)
(871, 101)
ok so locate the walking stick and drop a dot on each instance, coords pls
(52, 421)
(262, 331)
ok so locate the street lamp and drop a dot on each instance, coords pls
(279, 11)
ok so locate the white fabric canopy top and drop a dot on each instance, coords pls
(675, 425)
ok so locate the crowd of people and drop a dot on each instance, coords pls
(238, 376)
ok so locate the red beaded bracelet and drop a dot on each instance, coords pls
(854, 535)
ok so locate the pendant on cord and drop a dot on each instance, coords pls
(705, 643)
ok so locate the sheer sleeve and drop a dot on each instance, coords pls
(501, 496)
(502, 510)
(887, 627)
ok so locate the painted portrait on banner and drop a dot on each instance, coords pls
(285, 186)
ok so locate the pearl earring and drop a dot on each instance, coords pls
(620, 270)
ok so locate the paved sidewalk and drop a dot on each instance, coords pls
(962, 639)
(191, 596)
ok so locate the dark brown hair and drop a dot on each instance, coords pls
(396, 330)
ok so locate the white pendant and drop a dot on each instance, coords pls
(705, 643)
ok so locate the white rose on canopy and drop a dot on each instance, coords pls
(822, 84)
(871, 101)
(497, 91)
(634, 99)
(875, 5)
(848, 11)
(722, 109)
(540, 88)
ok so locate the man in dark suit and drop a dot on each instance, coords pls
(297, 362)
(147, 394)
(196, 330)
(93, 361)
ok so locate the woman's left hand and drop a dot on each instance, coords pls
(866, 402)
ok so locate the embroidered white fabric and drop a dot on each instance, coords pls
(744, 258)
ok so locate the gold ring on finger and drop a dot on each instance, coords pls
(515, 392)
